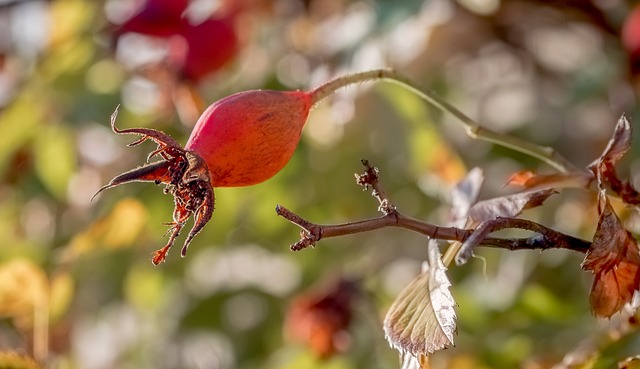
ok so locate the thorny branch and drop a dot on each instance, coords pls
(546, 237)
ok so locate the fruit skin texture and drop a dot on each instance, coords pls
(246, 138)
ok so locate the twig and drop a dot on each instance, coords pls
(370, 178)
(547, 238)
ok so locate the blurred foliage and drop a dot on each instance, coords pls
(77, 289)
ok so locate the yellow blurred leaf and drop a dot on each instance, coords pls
(18, 124)
(465, 362)
(70, 18)
(121, 228)
(61, 292)
(23, 290)
(14, 360)
(55, 160)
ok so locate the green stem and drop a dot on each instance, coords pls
(471, 127)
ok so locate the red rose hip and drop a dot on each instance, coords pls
(248, 137)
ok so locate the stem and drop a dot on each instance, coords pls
(547, 238)
(471, 127)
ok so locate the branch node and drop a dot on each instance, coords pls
(306, 240)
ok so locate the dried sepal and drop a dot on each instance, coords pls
(422, 319)
(614, 259)
(185, 176)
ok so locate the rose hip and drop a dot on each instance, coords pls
(248, 137)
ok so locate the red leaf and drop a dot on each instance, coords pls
(614, 258)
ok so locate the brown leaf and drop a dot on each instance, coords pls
(614, 258)
(618, 145)
(422, 319)
(531, 181)
(604, 167)
(508, 206)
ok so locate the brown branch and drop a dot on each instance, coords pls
(546, 238)
(370, 178)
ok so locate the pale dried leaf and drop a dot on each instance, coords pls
(411, 362)
(422, 319)
(508, 206)
(632, 362)
(614, 259)
(464, 195)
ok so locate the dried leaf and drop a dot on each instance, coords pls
(412, 362)
(464, 195)
(508, 206)
(61, 291)
(614, 258)
(618, 145)
(532, 181)
(632, 362)
(604, 167)
(422, 319)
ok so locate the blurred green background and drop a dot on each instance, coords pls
(77, 289)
